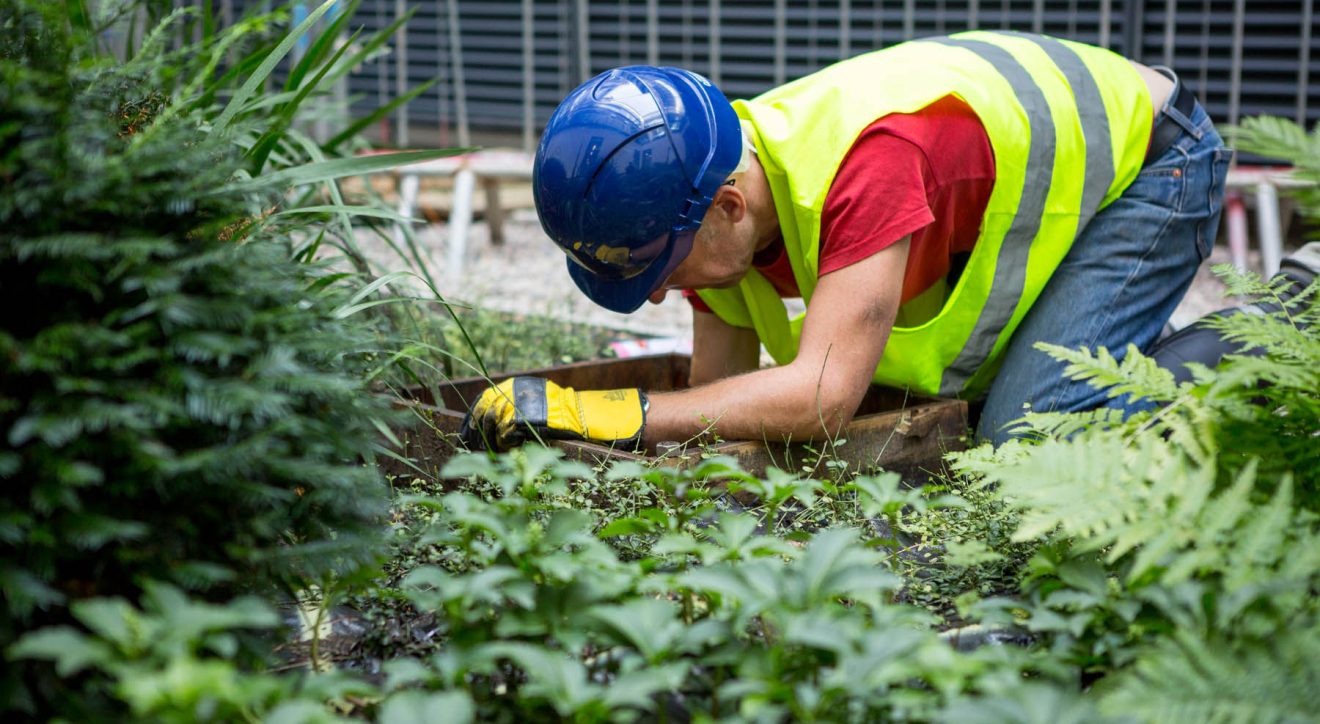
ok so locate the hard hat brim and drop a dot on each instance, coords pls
(626, 296)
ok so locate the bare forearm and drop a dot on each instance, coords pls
(766, 404)
(847, 326)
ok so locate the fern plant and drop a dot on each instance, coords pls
(1179, 549)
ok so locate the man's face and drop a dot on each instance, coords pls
(721, 255)
(722, 250)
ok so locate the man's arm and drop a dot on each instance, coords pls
(847, 326)
(720, 349)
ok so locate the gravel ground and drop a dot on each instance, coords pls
(526, 274)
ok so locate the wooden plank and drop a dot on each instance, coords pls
(911, 441)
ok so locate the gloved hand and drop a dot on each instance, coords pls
(506, 415)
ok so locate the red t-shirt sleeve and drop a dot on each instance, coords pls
(877, 198)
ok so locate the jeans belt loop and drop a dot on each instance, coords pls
(1166, 129)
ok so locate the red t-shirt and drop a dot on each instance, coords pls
(928, 174)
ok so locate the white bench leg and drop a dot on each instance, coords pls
(460, 220)
(409, 183)
(1236, 212)
(494, 212)
(1267, 227)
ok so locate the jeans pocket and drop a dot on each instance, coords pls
(1162, 182)
(1208, 229)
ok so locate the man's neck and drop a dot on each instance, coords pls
(760, 206)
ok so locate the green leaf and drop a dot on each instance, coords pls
(374, 43)
(649, 625)
(411, 707)
(969, 553)
(286, 114)
(299, 712)
(353, 304)
(316, 52)
(71, 650)
(627, 526)
(478, 465)
(558, 679)
(350, 209)
(403, 672)
(568, 526)
(638, 688)
(111, 618)
(311, 173)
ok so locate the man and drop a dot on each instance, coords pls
(940, 206)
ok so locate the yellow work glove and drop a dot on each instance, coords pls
(523, 408)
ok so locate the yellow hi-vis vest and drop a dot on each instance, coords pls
(1068, 125)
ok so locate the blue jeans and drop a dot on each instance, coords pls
(1120, 281)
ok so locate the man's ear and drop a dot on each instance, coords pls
(731, 202)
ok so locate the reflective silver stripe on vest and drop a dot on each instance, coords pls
(1095, 123)
(1011, 265)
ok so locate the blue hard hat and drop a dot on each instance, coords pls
(626, 169)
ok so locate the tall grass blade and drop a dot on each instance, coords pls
(339, 167)
(357, 126)
(261, 151)
(245, 66)
(79, 19)
(158, 37)
(349, 241)
(350, 209)
(321, 46)
(208, 21)
(132, 33)
(328, 170)
(372, 45)
(264, 70)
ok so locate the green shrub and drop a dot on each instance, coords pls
(180, 400)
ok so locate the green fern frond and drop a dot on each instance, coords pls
(1136, 375)
(1187, 679)
(1277, 138)
(1066, 424)
(1284, 139)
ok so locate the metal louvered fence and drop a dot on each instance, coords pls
(503, 66)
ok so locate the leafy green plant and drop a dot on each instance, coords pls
(690, 606)
(175, 659)
(184, 394)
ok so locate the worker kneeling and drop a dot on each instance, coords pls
(940, 206)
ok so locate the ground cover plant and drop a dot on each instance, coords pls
(192, 406)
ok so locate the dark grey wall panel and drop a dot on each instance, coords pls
(1241, 58)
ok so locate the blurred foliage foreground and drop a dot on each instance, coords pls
(189, 393)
